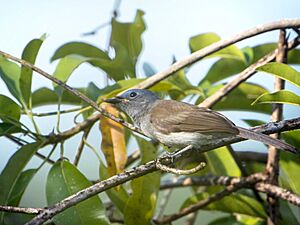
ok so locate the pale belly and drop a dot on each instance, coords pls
(183, 139)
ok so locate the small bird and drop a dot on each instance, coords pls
(179, 124)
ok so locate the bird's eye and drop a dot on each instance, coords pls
(132, 94)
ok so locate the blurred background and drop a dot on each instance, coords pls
(169, 25)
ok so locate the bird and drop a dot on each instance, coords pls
(179, 124)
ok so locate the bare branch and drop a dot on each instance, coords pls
(23, 210)
(273, 157)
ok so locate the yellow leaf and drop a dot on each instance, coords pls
(113, 142)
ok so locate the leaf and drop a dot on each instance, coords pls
(282, 71)
(222, 69)
(235, 203)
(127, 42)
(229, 220)
(262, 50)
(221, 162)
(148, 69)
(113, 143)
(9, 109)
(46, 96)
(21, 185)
(241, 98)
(203, 40)
(63, 180)
(183, 86)
(141, 204)
(283, 96)
(29, 54)
(289, 164)
(288, 215)
(8, 128)
(293, 56)
(118, 197)
(12, 172)
(10, 74)
(79, 48)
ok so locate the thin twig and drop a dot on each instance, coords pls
(81, 145)
(200, 54)
(273, 157)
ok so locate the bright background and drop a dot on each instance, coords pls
(170, 24)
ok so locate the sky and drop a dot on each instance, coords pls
(170, 24)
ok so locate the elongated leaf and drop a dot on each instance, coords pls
(21, 184)
(29, 54)
(64, 179)
(118, 197)
(141, 204)
(46, 96)
(203, 40)
(221, 162)
(288, 215)
(126, 39)
(79, 48)
(293, 56)
(222, 69)
(241, 98)
(10, 74)
(230, 220)
(8, 128)
(283, 71)
(12, 172)
(283, 96)
(113, 143)
(261, 50)
(235, 203)
(9, 109)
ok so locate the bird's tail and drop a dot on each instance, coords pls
(249, 134)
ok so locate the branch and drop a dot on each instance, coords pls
(244, 75)
(200, 54)
(234, 185)
(279, 192)
(140, 171)
(13, 209)
(273, 157)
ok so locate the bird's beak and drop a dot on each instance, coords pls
(115, 100)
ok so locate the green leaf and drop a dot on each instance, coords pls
(221, 162)
(289, 164)
(9, 109)
(12, 172)
(261, 50)
(8, 128)
(293, 56)
(235, 203)
(29, 54)
(21, 184)
(127, 42)
(10, 74)
(203, 40)
(229, 220)
(46, 96)
(79, 48)
(141, 204)
(283, 96)
(282, 71)
(222, 69)
(64, 179)
(288, 215)
(118, 197)
(148, 69)
(241, 98)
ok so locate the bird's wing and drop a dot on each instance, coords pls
(173, 116)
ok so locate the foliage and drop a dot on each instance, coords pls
(137, 202)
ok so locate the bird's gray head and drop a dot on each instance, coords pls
(135, 102)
